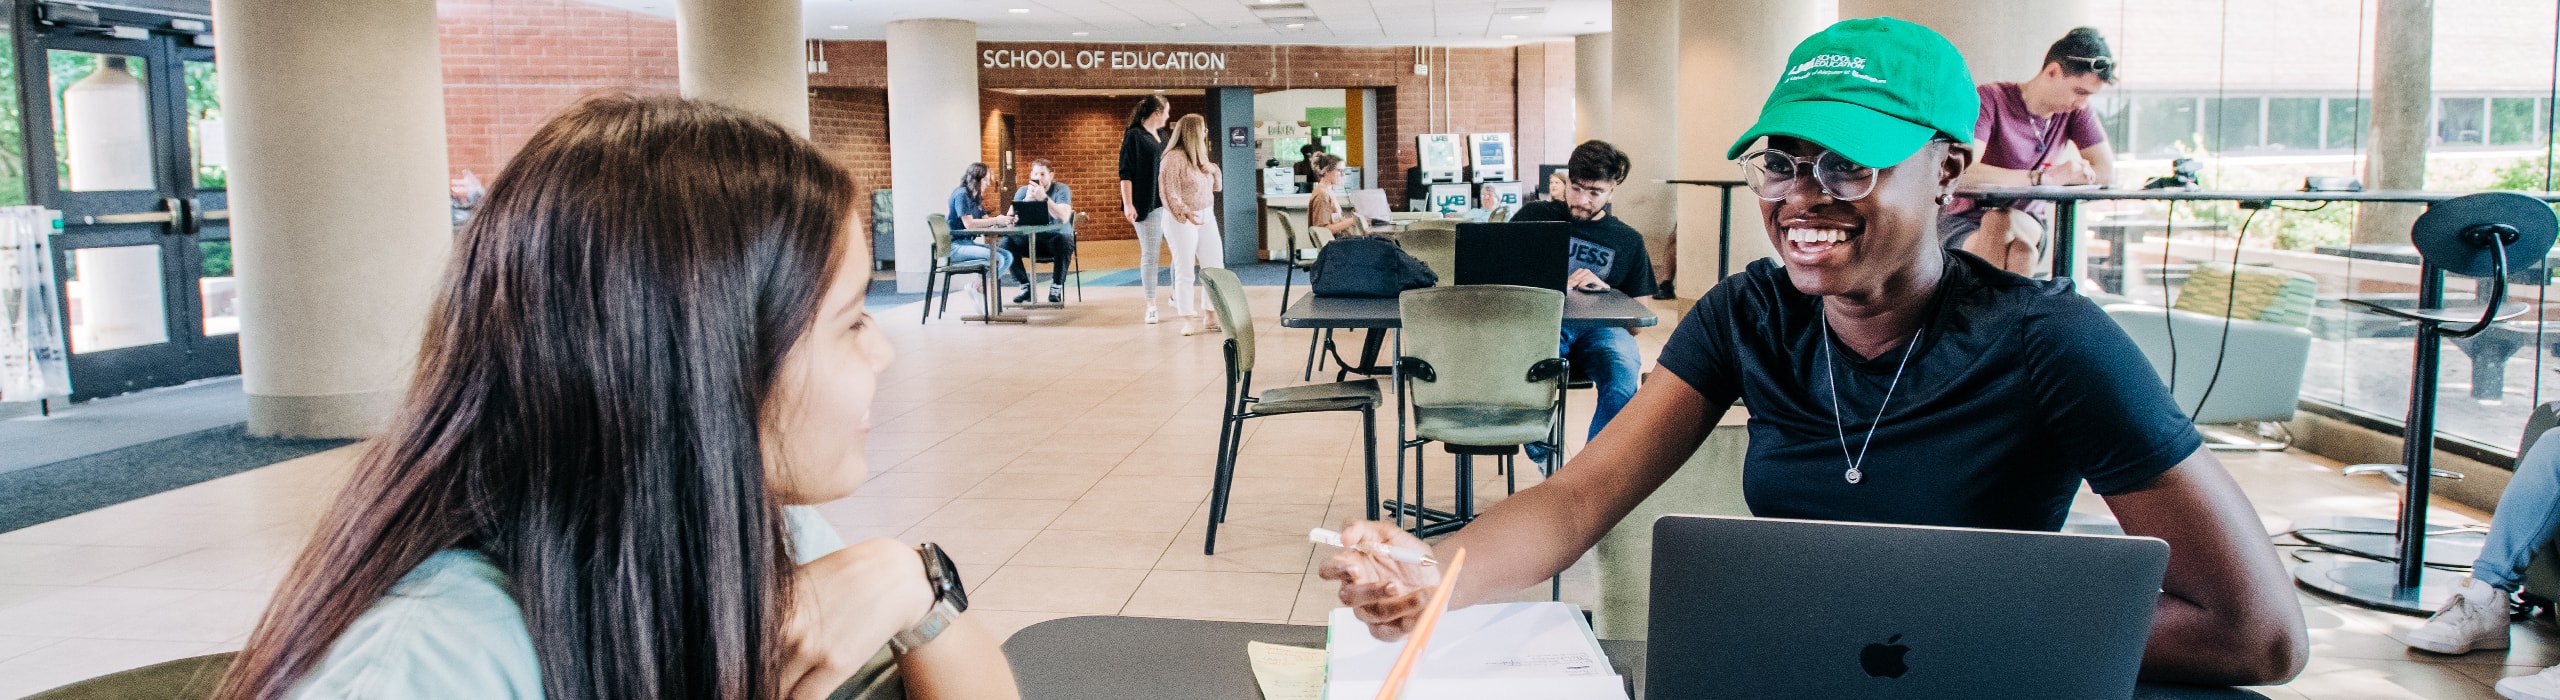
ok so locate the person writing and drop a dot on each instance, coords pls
(1324, 213)
(1061, 244)
(1141, 154)
(648, 357)
(1605, 254)
(2021, 136)
(1890, 380)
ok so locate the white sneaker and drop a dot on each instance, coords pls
(1191, 325)
(1151, 313)
(2474, 618)
(2539, 686)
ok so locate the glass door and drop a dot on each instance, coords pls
(124, 137)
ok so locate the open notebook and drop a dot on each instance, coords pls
(1486, 652)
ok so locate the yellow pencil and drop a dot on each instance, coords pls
(1422, 629)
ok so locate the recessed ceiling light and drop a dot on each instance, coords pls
(1295, 26)
(1020, 10)
(1179, 25)
(1519, 16)
(839, 27)
(1511, 36)
(1020, 92)
(1159, 92)
(1082, 33)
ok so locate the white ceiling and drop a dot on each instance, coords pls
(1332, 22)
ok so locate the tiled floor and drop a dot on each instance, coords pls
(1064, 464)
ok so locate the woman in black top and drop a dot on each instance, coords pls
(1987, 398)
(1141, 152)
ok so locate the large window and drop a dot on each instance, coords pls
(2231, 124)
(2163, 126)
(2462, 121)
(2346, 123)
(2512, 121)
(2293, 124)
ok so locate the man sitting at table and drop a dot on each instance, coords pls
(2021, 131)
(1606, 254)
(1061, 244)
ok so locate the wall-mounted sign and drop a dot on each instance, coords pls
(1103, 60)
(1239, 136)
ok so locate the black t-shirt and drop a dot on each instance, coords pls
(1607, 247)
(2017, 391)
(1141, 153)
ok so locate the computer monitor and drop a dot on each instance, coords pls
(1528, 254)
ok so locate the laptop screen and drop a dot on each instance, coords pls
(1031, 213)
(1528, 254)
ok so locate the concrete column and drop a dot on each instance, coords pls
(933, 130)
(746, 53)
(2002, 40)
(1591, 81)
(1239, 200)
(335, 113)
(1731, 55)
(2403, 97)
(1644, 114)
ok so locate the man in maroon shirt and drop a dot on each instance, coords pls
(2022, 135)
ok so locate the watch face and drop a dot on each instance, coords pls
(945, 576)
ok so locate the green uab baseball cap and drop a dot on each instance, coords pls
(1874, 90)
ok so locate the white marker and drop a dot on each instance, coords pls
(1409, 556)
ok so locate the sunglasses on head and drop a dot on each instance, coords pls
(2100, 64)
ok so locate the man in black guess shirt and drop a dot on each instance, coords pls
(1605, 254)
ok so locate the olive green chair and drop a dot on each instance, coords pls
(1227, 298)
(1710, 483)
(1435, 243)
(945, 269)
(1480, 366)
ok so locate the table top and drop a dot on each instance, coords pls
(1015, 230)
(1581, 310)
(2057, 193)
(1099, 657)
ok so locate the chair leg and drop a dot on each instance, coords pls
(1078, 261)
(1234, 449)
(927, 312)
(1218, 484)
(1313, 335)
(1510, 476)
(1369, 451)
(1288, 275)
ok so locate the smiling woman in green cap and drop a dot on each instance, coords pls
(1892, 381)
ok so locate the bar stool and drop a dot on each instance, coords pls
(2482, 235)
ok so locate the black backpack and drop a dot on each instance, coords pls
(1367, 266)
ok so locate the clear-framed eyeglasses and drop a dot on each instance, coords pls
(1775, 175)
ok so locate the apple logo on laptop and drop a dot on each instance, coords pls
(1885, 659)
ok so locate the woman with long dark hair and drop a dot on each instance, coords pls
(1141, 152)
(649, 353)
(968, 210)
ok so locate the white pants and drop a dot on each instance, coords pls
(1193, 244)
(1150, 237)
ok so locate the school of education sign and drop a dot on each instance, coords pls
(1087, 59)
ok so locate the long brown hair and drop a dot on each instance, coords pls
(1191, 142)
(586, 406)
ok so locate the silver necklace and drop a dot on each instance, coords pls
(1854, 475)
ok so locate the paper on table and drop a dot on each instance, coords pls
(1510, 650)
(1287, 672)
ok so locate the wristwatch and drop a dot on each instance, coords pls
(949, 600)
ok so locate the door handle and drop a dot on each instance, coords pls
(140, 217)
(218, 215)
(192, 221)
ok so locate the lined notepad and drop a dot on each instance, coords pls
(1486, 652)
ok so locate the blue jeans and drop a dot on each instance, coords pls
(1608, 356)
(2527, 513)
(970, 250)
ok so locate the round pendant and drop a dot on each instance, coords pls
(1853, 475)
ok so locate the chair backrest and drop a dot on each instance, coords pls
(940, 225)
(1288, 230)
(1481, 342)
(1226, 296)
(2259, 293)
(192, 677)
(1435, 243)
(1077, 220)
(1500, 214)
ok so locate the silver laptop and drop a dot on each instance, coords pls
(1768, 608)
(1371, 206)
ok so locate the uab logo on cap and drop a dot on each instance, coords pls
(1832, 64)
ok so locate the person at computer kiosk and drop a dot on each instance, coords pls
(1060, 245)
(1890, 380)
(1606, 254)
(2022, 136)
(1323, 211)
(968, 211)
(2476, 616)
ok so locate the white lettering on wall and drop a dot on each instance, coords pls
(1045, 59)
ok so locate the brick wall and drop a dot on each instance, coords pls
(1080, 135)
(510, 64)
(852, 125)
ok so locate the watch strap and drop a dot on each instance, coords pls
(925, 630)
